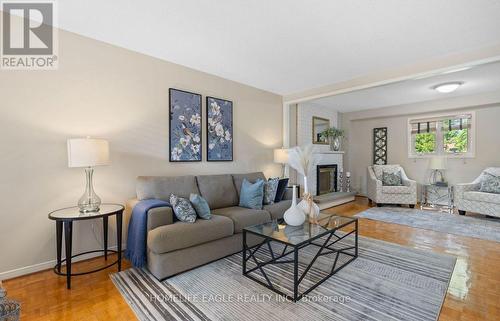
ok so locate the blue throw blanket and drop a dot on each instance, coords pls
(137, 230)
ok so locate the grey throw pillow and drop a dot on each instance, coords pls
(490, 183)
(392, 179)
(270, 189)
(183, 209)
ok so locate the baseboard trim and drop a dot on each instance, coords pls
(30, 269)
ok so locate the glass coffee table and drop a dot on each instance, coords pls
(302, 257)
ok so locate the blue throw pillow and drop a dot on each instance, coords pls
(252, 195)
(183, 209)
(201, 206)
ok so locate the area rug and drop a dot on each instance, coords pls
(385, 282)
(477, 227)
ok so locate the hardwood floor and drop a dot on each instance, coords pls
(473, 294)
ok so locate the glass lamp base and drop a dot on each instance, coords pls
(89, 202)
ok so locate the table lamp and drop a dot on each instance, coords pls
(88, 153)
(281, 157)
(437, 165)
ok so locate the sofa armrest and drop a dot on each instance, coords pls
(460, 189)
(410, 183)
(374, 185)
(158, 216)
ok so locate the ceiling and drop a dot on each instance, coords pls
(480, 79)
(288, 46)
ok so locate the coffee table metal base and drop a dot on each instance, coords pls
(324, 248)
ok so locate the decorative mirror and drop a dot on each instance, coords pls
(318, 126)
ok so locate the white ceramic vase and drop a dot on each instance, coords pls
(294, 216)
(313, 211)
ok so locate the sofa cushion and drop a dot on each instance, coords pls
(243, 217)
(181, 235)
(252, 195)
(278, 209)
(218, 190)
(183, 209)
(201, 206)
(270, 190)
(396, 190)
(379, 169)
(490, 183)
(160, 187)
(251, 177)
(482, 197)
(280, 192)
(392, 179)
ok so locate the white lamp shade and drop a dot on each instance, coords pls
(281, 156)
(437, 163)
(87, 152)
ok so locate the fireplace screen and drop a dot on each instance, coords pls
(326, 180)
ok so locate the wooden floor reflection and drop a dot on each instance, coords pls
(474, 290)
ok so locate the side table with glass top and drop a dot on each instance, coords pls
(64, 221)
(437, 197)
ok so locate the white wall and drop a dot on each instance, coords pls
(360, 132)
(108, 92)
(305, 113)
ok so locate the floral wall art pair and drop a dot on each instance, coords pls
(186, 127)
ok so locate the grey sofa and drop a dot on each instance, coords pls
(173, 246)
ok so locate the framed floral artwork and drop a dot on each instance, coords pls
(219, 130)
(184, 126)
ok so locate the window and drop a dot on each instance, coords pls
(449, 135)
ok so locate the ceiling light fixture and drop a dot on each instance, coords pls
(448, 87)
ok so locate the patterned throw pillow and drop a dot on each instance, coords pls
(490, 184)
(270, 189)
(392, 179)
(280, 193)
(183, 209)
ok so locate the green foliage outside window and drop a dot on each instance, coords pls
(425, 142)
(455, 141)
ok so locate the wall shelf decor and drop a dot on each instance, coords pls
(184, 126)
(380, 146)
(219, 130)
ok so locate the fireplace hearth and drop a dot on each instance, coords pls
(326, 179)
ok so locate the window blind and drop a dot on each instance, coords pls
(423, 127)
(447, 123)
(456, 124)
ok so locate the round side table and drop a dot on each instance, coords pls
(64, 219)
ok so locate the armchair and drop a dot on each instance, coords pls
(380, 194)
(469, 198)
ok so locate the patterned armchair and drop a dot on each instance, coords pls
(469, 198)
(380, 194)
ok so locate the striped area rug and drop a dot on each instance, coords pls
(386, 282)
